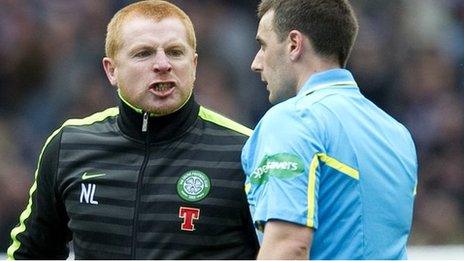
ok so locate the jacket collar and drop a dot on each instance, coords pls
(159, 128)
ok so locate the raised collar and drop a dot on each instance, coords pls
(335, 78)
(159, 128)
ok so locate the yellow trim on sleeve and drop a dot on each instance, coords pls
(343, 168)
(217, 118)
(100, 116)
(22, 227)
(247, 187)
(311, 191)
(331, 162)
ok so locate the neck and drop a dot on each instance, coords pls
(306, 70)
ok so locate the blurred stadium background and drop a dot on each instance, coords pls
(408, 59)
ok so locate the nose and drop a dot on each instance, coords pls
(256, 65)
(162, 63)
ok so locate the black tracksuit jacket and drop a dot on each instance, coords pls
(124, 186)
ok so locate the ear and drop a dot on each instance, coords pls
(296, 44)
(110, 69)
(195, 60)
(195, 63)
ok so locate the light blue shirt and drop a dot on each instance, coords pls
(331, 160)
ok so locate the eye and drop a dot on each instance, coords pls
(261, 45)
(142, 54)
(175, 52)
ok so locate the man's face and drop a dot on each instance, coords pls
(155, 67)
(272, 62)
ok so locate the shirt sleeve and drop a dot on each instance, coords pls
(280, 160)
(42, 232)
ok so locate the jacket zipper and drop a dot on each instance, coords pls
(139, 186)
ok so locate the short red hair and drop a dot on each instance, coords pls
(152, 9)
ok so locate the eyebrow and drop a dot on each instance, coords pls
(141, 46)
(176, 45)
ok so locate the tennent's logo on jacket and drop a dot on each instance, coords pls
(281, 165)
(188, 215)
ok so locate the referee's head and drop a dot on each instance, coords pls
(299, 38)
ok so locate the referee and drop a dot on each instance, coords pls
(330, 175)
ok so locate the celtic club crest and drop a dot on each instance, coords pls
(193, 186)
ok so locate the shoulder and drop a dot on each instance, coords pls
(281, 113)
(83, 122)
(284, 124)
(295, 114)
(94, 118)
(296, 123)
(223, 122)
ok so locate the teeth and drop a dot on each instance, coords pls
(162, 86)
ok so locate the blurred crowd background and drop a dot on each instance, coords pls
(408, 59)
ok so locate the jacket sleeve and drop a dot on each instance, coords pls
(42, 231)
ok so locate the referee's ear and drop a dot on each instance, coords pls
(109, 65)
(295, 44)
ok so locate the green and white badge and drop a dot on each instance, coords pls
(193, 186)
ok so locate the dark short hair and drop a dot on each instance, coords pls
(331, 25)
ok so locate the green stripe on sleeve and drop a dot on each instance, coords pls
(100, 116)
(217, 118)
(27, 212)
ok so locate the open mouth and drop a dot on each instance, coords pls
(162, 89)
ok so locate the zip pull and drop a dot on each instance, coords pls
(145, 122)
